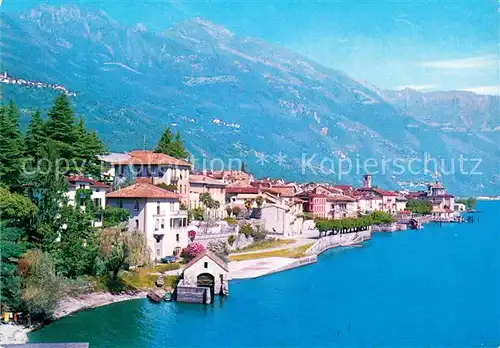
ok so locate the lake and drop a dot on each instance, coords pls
(439, 286)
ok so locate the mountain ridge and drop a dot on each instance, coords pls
(131, 82)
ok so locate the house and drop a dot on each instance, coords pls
(443, 204)
(199, 184)
(155, 212)
(233, 177)
(388, 198)
(152, 167)
(368, 203)
(203, 277)
(459, 207)
(401, 203)
(315, 203)
(285, 219)
(97, 192)
(341, 206)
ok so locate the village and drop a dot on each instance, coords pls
(177, 208)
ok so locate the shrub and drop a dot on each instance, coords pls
(230, 220)
(168, 187)
(40, 285)
(308, 216)
(196, 214)
(246, 230)
(231, 239)
(257, 234)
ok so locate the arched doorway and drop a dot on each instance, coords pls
(206, 280)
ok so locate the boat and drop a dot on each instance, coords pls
(168, 297)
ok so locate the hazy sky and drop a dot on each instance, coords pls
(427, 45)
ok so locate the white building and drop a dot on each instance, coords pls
(98, 194)
(155, 168)
(340, 206)
(157, 213)
(206, 270)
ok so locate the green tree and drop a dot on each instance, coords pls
(48, 188)
(470, 203)
(60, 127)
(196, 214)
(86, 149)
(34, 140)
(12, 247)
(419, 206)
(16, 212)
(259, 200)
(11, 145)
(40, 284)
(170, 145)
(75, 250)
(118, 247)
(112, 216)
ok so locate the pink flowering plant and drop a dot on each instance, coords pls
(191, 235)
(192, 250)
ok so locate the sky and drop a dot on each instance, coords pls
(425, 45)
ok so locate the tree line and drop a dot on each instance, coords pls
(375, 218)
(49, 247)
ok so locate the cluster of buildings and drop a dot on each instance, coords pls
(4, 78)
(161, 189)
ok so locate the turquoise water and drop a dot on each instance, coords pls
(439, 286)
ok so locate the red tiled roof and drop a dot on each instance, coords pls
(211, 256)
(340, 198)
(378, 191)
(78, 178)
(343, 187)
(143, 157)
(72, 180)
(142, 190)
(202, 179)
(242, 189)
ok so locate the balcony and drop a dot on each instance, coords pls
(175, 213)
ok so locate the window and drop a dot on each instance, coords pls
(157, 225)
(162, 224)
(97, 190)
(158, 208)
(82, 186)
(136, 224)
(177, 237)
(136, 204)
(82, 202)
(120, 203)
(158, 252)
(205, 264)
(98, 217)
(98, 202)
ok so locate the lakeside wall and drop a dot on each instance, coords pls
(334, 241)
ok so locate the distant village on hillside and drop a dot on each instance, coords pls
(4, 78)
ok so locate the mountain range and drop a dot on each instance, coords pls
(241, 97)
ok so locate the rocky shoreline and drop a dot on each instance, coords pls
(18, 334)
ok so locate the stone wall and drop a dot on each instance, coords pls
(191, 294)
(334, 241)
(385, 227)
